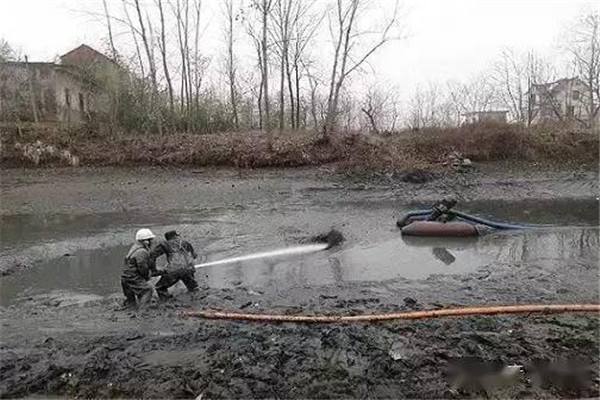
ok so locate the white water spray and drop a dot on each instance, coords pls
(311, 248)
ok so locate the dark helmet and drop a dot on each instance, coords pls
(171, 235)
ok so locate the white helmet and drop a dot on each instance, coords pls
(144, 234)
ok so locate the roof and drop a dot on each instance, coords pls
(83, 56)
(552, 86)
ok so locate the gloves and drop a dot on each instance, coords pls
(160, 272)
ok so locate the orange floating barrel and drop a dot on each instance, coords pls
(440, 229)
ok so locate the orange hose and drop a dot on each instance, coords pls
(451, 312)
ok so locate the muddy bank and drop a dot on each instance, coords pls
(102, 190)
(70, 228)
(86, 350)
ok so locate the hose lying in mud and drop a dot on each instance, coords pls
(412, 315)
(423, 214)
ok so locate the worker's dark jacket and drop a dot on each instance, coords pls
(180, 254)
(139, 263)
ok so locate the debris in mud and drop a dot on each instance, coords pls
(417, 176)
(459, 162)
(332, 238)
(12, 268)
(411, 303)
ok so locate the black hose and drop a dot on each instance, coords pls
(492, 224)
(412, 216)
(423, 214)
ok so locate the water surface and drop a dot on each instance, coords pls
(374, 251)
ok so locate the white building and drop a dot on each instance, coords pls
(564, 100)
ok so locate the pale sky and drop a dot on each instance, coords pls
(447, 39)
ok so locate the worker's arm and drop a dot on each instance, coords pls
(190, 249)
(153, 254)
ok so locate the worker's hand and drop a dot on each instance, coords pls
(160, 272)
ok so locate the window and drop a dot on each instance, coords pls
(576, 94)
(67, 98)
(81, 103)
(570, 111)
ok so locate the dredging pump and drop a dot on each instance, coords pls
(443, 221)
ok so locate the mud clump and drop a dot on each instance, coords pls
(417, 176)
(332, 238)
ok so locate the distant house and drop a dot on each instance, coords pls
(484, 116)
(86, 57)
(50, 92)
(563, 100)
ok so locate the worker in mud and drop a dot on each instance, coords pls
(180, 264)
(140, 266)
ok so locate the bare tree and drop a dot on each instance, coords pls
(304, 25)
(199, 63)
(346, 39)
(230, 64)
(477, 94)
(515, 76)
(260, 39)
(162, 45)
(111, 41)
(314, 87)
(147, 42)
(292, 29)
(183, 52)
(380, 107)
(280, 16)
(134, 33)
(584, 46)
(264, 8)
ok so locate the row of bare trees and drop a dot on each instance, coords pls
(289, 64)
(511, 83)
(287, 87)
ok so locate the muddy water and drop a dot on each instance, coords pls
(79, 257)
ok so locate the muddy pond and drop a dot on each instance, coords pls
(78, 257)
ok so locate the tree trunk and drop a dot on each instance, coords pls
(265, 61)
(163, 50)
(231, 70)
(297, 95)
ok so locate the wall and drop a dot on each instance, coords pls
(50, 83)
(73, 97)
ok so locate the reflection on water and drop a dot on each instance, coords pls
(88, 271)
(28, 229)
(98, 271)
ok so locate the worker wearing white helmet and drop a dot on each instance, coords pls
(139, 267)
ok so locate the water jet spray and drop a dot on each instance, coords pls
(318, 243)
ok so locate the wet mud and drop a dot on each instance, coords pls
(61, 333)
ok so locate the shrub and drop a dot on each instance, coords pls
(353, 151)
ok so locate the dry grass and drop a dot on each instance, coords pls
(352, 151)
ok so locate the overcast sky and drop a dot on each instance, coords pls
(447, 39)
